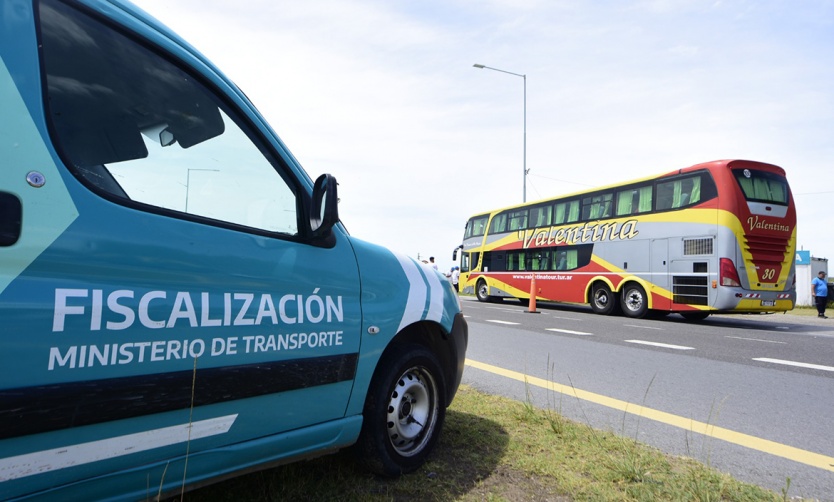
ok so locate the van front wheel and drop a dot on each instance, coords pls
(404, 411)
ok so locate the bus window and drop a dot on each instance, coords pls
(644, 204)
(566, 259)
(535, 259)
(560, 213)
(464, 262)
(682, 192)
(566, 212)
(597, 206)
(499, 224)
(518, 219)
(634, 200)
(571, 257)
(476, 227)
(761, 186)
(625, 202)
(561, 261)
(541, 216)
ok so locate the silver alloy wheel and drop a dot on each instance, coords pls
(634, 302)
(634, 299)
(412, 411)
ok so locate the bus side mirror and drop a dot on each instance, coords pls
(325, 211)
(455, 253)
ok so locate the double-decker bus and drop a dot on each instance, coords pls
(718, 237)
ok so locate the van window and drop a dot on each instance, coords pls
(134, 126)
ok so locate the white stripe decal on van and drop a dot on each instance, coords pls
(40, 462)
(416, 303)
(436, 301)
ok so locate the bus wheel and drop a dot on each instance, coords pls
(695, 316)
(404, 411)
(603, 300)
(634, 301)
(482, 291)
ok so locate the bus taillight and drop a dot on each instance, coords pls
(729, 276)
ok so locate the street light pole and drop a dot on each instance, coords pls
(524, 76)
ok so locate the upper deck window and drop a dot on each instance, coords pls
(476, 227)
(566, 212)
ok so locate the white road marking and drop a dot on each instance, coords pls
(755, 339)
(567, 318)
(643, 327)
(794, 363)
(502, 322)
(570, 332)
(663, 345)
(503, 309)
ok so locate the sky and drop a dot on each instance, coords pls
(383, 95)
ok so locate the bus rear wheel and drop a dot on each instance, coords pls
(482, 291)
(634, 301)
(603, 300)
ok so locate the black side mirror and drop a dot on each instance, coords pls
(325, 210)
(455, 253)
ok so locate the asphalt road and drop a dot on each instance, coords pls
(750, 395)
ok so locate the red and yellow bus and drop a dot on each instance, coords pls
(718, 237)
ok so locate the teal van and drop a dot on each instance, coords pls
(179, 301)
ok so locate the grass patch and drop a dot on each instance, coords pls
(497, 449)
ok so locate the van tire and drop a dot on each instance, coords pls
(404, 411)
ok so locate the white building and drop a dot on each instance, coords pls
(807, 267)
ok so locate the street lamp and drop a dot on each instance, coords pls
(476, 65)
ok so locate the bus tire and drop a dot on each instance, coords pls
(603, 300)
(404, 411)
(695, 316)
(634, 301)
(482, 291)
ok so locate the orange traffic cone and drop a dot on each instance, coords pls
(531, 309)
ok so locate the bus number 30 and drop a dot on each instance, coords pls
(769, 274)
